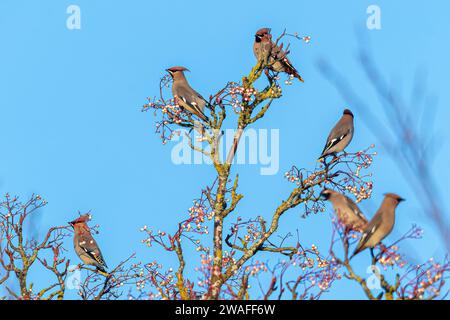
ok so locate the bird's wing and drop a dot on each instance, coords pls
(199, 96)
(354, 207)
(289, 65)
(189, 95)
(371, 228)
(281, 56)
(277, 53)
(192, 99)
(336, 135)
(89, 245)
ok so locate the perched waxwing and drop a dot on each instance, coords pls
(340, 136)
(381, 224)
(346, 210)
(85, 246)
(265, 49)
(185, 96)
(262, 47)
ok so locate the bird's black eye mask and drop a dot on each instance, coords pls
(71, 223)
(324, 195)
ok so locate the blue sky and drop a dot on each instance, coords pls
(71, 127)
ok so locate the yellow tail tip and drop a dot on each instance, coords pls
(103, 273)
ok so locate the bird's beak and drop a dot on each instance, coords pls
(71, 223)
(401, 199)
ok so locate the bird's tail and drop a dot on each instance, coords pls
(203, 117)
(102, 271)
(299, 77)
(291, 70)
(357, 250)
(199, 113)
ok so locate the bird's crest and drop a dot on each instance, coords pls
(394, 196)
(347, 111)
(176, 69)
(82, 219)
(263, 31)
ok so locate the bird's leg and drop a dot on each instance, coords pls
(374, 259)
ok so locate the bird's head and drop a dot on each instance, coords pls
(262, 33)
(326, 194)
(81, 219)
(394, 198)
(174, 71)
(348, 112)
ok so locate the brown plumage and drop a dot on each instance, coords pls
(340, 136)
(346, 210)
(381, 224)
(85, 245)
(262, 46)
(265, 49)
(185, 96)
